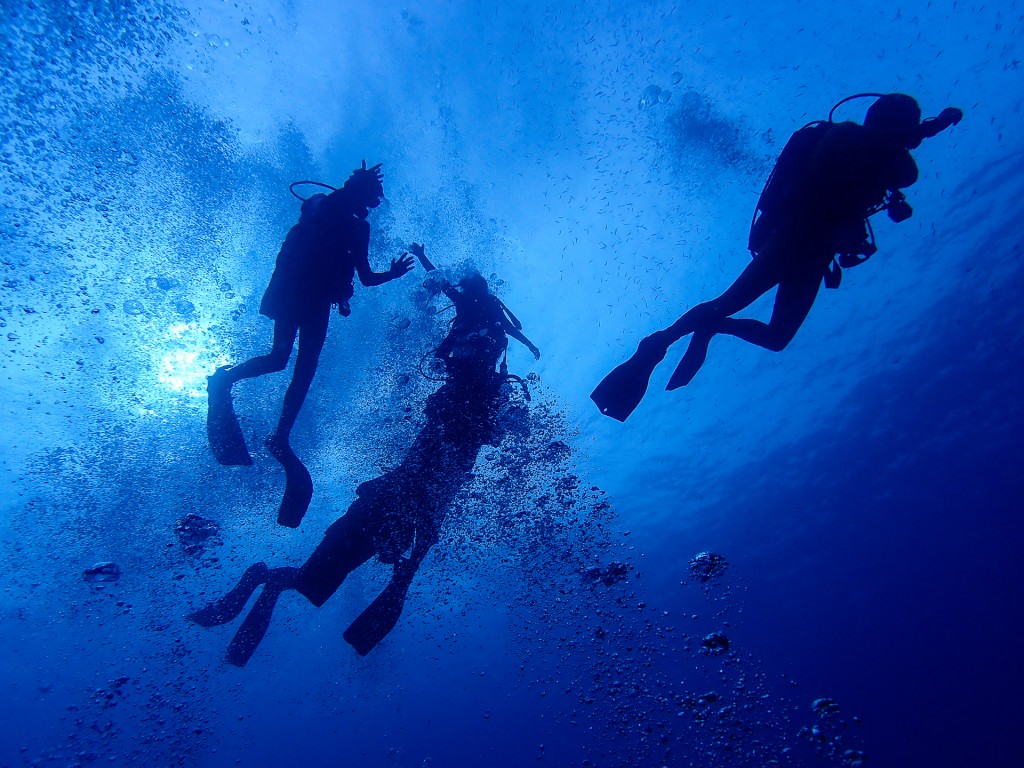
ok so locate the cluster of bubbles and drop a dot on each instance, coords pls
(180, 306)
(588, 630)
(654, 95)
(652, 689)
(830, 735)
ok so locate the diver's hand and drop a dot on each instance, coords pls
(535, 351)
(933, 125)
(950, 116)
(344, 309)
(400, 266)
(416, 249)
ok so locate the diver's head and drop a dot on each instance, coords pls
(365, 186)
(898, 116)
(311, 203)
(474, 285)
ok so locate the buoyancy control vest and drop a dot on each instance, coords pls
(477, 337)
(788, 200)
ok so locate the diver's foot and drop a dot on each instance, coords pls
(655, 346)
(283, 577)
(219, 382)
(228, 607)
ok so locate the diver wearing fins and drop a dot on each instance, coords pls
(829, 178)
(315, 269)
(396, 516)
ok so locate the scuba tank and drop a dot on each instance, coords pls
(779, 193)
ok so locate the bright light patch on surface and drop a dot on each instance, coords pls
(184, 368)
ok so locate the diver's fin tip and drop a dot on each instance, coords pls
(236, 660)
(298, 489)
(681, 376)
(620, 414)
(358, 643)
(223, 431)
(621, 391)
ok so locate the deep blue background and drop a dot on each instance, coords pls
(599, 164)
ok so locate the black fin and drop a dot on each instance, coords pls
(621, 391)
(696, 354)
(225, 436)
(298, 489)
(373, 624)
(228, 607)
(248, 637)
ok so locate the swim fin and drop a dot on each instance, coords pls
(247, 638)
(373, 624)
(621, 391)
(298, 489)
(696, 354)
(222, 429)
(228, 607)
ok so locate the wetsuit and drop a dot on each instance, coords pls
(317, 262)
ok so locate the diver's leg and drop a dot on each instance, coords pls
(228, 607)
(222, 427)
(346, 546)
(312, 334)
(793, 302)
(281, 349)
(621, 391)
(705, 320)
(759, 277)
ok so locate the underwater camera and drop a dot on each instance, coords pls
(899, 209)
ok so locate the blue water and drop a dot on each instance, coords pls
(600, 165)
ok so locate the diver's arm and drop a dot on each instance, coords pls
(932, 126)
(449, 290)
(518, 335)
(443, 285)
(399, 267)
(360, 255)
(416, 249)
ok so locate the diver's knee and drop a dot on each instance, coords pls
(778, 342)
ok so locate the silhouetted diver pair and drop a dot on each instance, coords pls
(315, 269)
(828, 180)
(401, 511)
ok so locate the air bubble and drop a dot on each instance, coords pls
(649, 97)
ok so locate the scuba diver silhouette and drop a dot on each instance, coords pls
(315, 268)
(402, 510)
(480, 318)
(829, 178)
